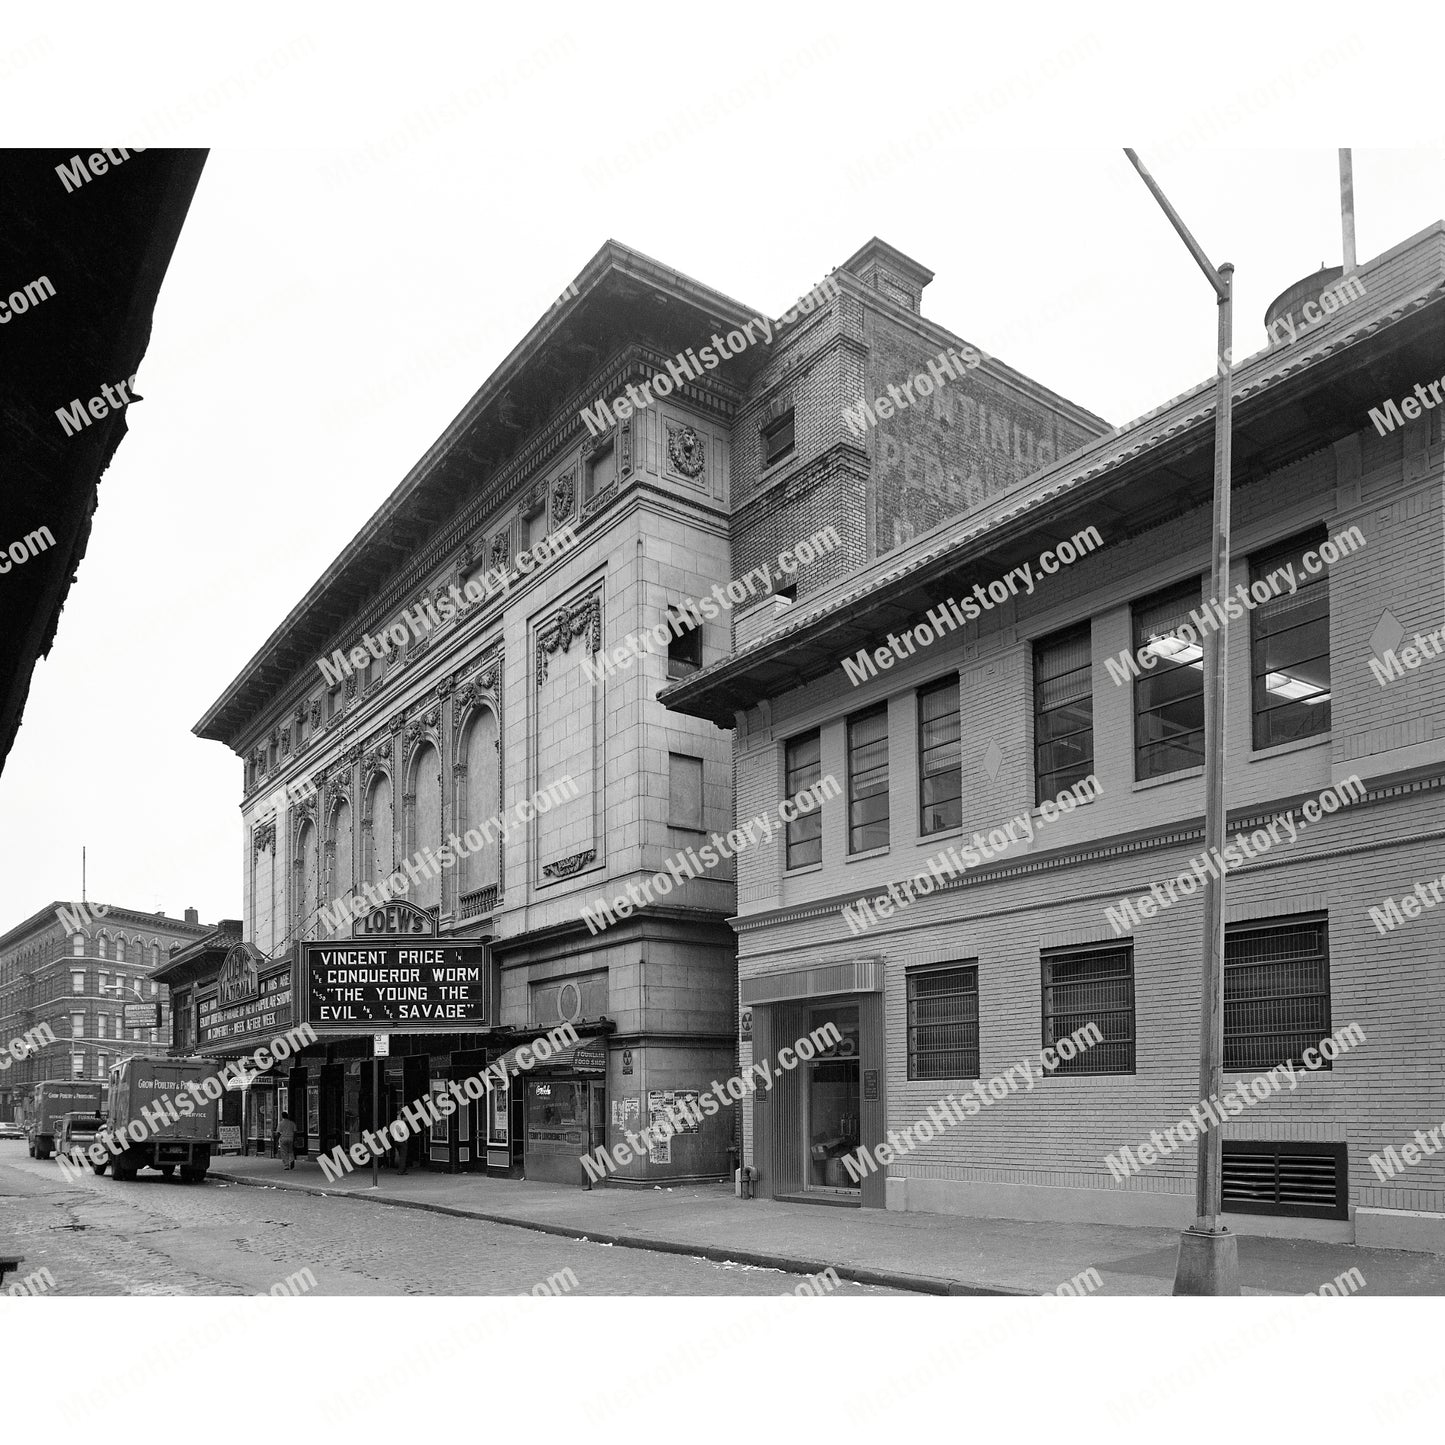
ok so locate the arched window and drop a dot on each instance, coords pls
(120, 949)
(155, 954)
(304, 904)
(481, 801)
(77, 945)
(424, 823)
(100, 944)
(342, 882)
(377, 864)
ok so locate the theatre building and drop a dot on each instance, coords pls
(1074, 704)
(460, 741)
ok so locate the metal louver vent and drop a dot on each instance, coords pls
(1299, 1179)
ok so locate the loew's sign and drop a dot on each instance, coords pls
(395, 986)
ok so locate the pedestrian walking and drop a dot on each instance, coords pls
(286, 1135)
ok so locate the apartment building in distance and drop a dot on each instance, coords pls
(1044, 918)
(73, 970)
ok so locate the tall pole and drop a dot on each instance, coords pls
(1208, 1262)
(1347, 207)
(375, 1116)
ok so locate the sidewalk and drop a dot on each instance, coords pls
(929, 1253)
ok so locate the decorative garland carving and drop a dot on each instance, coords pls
(685, 450)
(264, 837)
(566, 867)
(626, 454)
(564, 495)
(583, 619)
(501, 549)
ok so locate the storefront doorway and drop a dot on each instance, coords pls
(831, 1105)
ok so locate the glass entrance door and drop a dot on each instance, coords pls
(831, 1100)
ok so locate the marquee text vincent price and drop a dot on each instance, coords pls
(364, 967)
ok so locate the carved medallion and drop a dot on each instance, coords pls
(685, 450)
(563, 496)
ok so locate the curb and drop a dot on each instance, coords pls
(888, 1279)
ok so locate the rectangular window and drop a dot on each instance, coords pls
(600, 471)
(1290, 646)
(77, 945)
(684, 651)
(802, 768)
(940, 759)
(1276, 991)
(1063, 711)
(77, 1026)
(1169, 700)
(868, 779)
(77, 1066)
(684, 787)
(333, 701)
(943, 1023)
(1091, 986)
(77, 983)
(778, 439)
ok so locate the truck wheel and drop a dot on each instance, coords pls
(120, 1173)
(98, 1168)
(42, 1151)
(188, 1175)
(166, 1169)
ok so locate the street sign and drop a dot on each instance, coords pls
(142, 1015)
(381, 1046)
(401, 987)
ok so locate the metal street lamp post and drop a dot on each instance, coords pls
(1208, 1253)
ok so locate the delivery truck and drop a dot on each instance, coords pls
(50, 1101)
(179, 1124)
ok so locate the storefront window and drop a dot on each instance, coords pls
(832, 1092)
(556, 1112)
(497, 1134)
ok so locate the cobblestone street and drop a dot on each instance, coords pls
(155, 1236)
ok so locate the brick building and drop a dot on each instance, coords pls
(73, 970)
(971, 721)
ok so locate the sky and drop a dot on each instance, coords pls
(383, 216)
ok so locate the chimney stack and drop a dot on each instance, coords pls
(192, 916)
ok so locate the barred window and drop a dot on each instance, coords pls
(1063, 711)
(1276, 991)
(802, 768)
(868, 779)
(1091, 986)
(940, 758)
(943, 1023)
(1290, 647)
(1169, 699)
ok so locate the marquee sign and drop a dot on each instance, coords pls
(266, 1011)
(395, 986)
(239, 977)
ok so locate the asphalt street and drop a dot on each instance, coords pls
(155, 1236)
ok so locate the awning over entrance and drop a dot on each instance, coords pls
(587, 1057)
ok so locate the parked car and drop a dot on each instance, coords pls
(10, 1130)
(77, 1131)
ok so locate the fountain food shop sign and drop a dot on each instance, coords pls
(396, 987)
